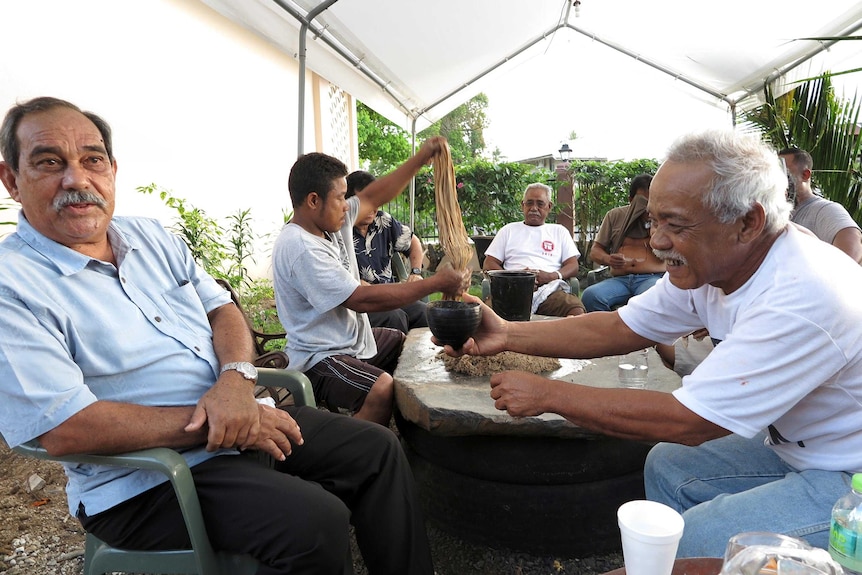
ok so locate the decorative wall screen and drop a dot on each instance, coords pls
(339, 124)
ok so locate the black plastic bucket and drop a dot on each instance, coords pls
(512, 293)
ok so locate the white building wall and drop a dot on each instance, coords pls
(198, 105)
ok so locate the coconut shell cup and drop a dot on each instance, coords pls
(453, 322)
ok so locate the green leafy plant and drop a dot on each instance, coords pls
(382, 144)
(223, 253)
(464, 129)
(813, 118)
(239, 249)
(202, 234)
(258, 301)
(7, 203)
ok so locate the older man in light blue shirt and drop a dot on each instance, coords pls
(68, 359)
(114, 339)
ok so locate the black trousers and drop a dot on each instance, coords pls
(403, 319)
(294, 519)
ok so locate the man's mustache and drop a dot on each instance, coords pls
(70, 198)
(665, 255)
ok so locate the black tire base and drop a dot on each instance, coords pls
(575, 520)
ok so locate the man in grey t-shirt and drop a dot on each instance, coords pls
(320, 300)
(827, 219)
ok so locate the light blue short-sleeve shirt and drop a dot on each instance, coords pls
(77, 330)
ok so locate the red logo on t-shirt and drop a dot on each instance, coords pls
(547, 246)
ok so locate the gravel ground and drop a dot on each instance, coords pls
(34, 554)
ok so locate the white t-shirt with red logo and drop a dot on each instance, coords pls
(543, 247)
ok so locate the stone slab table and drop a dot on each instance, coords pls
(536, 484)
(447, 403)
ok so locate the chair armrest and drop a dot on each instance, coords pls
(294, 381)
(596, 275)
(399, 268)
(161, 459)
(274, 359)
(486, 288)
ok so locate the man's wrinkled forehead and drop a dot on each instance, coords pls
(46, 131)
(679, 187)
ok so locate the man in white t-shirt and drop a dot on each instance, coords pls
(765, 433)
(547, 249)
(827, 219)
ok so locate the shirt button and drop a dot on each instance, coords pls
(158, 319)
(123, 280)
(197, 348)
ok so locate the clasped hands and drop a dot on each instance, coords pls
(235, 420)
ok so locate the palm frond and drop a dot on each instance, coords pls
(812, 118)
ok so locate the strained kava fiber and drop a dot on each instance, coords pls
(453, 236)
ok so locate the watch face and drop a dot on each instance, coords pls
(416, 271)
(246, 369)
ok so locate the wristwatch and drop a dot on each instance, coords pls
(559, 274)
(245, 369)
(416, 272)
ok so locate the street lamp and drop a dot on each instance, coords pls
(565, 152)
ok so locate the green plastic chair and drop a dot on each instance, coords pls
(201, 559)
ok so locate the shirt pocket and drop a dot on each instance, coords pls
(183, 307)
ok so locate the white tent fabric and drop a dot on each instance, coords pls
(415, 61)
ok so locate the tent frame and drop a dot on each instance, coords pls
(306, 25)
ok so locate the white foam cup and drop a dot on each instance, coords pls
(650, 533)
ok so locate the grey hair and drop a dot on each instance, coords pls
(538, 186)
(746, 172)
(9, 145)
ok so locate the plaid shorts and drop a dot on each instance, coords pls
(343, 381)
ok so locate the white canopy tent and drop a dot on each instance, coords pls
(414, 61)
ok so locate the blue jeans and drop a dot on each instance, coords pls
(732, 484)
(609, 294)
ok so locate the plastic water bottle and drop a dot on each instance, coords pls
(845, 535)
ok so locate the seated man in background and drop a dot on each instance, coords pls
(547, 249)
(827, 219)
(115, 340)
(321, 302)
(765, 434)
(622, 244)
(377, 239)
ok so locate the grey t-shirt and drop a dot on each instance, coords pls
(823, 217)
(313, 276)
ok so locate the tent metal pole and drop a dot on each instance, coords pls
(487, 71)
(303, 35)
(650, 63)
(413, 179)
(306, 25)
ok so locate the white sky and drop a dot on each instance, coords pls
(195, 106)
